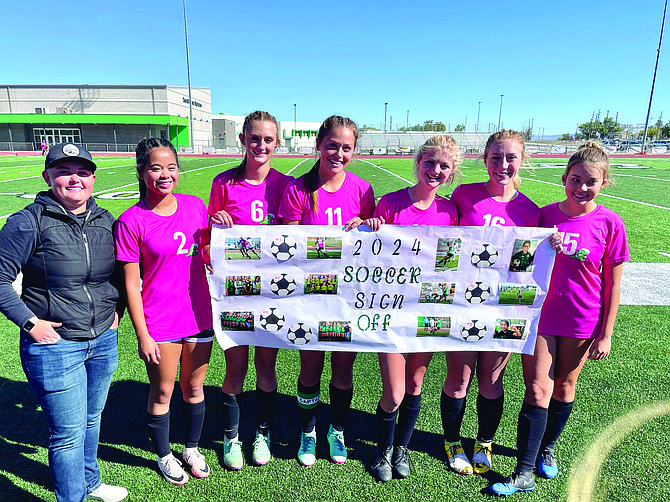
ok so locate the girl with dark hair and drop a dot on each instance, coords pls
(159, 242)
(327, 195)
(249, 195)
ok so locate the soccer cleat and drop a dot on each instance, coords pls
(171, 470)
(232, 453)
(196, 462)
(338, 453)
(481, 460)
(547, 467)
(382, 469)
(108, 493)
(261, 449)
(517, 482)
(307, 451)
(458, 461)
(400, 462)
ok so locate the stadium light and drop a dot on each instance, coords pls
(500, 112)
(408, 120)
(188, 74)
(653, 82)
(295, 124)
(479, 107)
(385, 105)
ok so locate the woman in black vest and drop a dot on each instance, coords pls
(67, 312)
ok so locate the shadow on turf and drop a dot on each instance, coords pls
(124, 423)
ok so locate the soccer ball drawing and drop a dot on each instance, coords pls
(299, 333)
(282, 285)
(473, 331)
(477, 292)
(283, 247)
(272, 319)
(484, 256)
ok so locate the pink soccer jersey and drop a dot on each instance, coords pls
(353, 198)
(573, 306)
(477, 208)
(397, 208)
(174, 286)
(246, 203)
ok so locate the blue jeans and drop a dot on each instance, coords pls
(70, 380)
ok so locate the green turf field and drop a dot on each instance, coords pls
(613, 424)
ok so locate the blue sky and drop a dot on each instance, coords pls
(554, 62)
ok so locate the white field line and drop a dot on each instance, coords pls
(604, 195)
(387, 171)
(664, 254)
(297, 165)
(640, 177)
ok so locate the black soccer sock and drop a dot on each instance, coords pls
(385, 427)
(489, 413)
(265, 408)
(340, 402)
(159, 432)
(308, 402)
(452, 411)
(408, 413)
(530, 429)
(194, 417)
(231, 415)
(557, 417)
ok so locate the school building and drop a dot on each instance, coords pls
(103, 117)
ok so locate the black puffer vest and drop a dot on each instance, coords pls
(67, 277)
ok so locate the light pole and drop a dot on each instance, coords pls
(479, 107)
(295, 125)
(188, 74)
(385, 105)
(653, 82)
(408, 120)
(500, 112)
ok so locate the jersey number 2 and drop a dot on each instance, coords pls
(182, 245)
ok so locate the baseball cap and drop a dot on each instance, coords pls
(69, 151)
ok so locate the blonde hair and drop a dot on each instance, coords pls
(257, 116)
(510, 134)
(440, 142)
(591, 152)
(312, 176)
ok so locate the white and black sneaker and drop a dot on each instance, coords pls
(171, 470)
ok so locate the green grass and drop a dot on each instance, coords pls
(635, 375)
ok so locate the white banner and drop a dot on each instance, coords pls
(307, 150)
(282, 150)
(558, 149)
(402, 289)
(232, 150)
(379, 150)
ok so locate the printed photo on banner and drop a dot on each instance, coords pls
(510, 329)
(433, 326)
(448, 254)
(243, 248)
(523, 254)
(335, 331)
(324, 248)
(243, 285)
(517, 294)
(321, 284)
(437, 292)
(237, 320)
